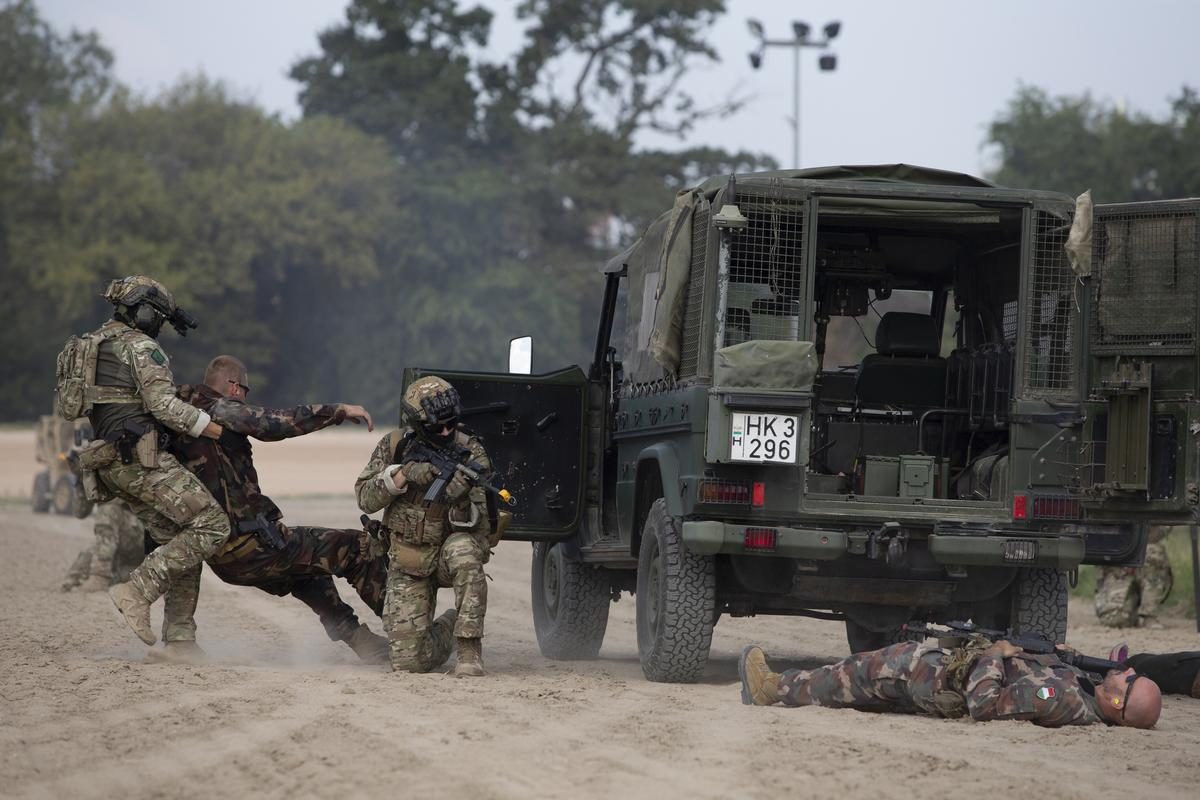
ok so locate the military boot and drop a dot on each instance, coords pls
(760, 686)
(470, 658)
(135, 609)
(95, 583)
(182, 652)
(442, 635)
(368, 646)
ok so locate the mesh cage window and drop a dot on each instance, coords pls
(693, 309)
(1051, 310)
(1144, 282)
(1010, 322)
(766, 269)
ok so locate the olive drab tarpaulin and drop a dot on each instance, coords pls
(643, 265)
(1079, 240)
(675, 263)
(764, 364)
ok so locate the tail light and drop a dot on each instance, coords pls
(759, 495)
(760, 538)
(1057, 508)
(1020, 506)
(724, 492)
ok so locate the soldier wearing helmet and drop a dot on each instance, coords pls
(430, 546)
(123, 383)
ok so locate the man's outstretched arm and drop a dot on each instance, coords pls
(274, 424)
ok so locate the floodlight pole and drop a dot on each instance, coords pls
(799, 41)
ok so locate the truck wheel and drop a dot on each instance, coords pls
(863, 640)
(64, 495)
(676, 599)
(41, 492)
(1039, 603)
(570, 604)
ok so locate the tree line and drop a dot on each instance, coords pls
(428, 204)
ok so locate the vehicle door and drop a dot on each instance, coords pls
(533, 427)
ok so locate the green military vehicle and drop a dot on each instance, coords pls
(870, 394)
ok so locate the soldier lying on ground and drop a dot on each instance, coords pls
(999, 681)
(262, 551)
(118, 549)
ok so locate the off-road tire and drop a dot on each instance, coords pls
(676, 599)
(40, 498)
(64, 496)
(1039, 603)
(570, 604)
(863, 640)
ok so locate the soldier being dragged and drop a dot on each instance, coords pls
(998, 681)
(300, 561)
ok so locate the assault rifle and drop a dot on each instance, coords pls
(448, 462)
(1030, 643)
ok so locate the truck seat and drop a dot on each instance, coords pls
(905, 370)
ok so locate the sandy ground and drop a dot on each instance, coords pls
(283, 712)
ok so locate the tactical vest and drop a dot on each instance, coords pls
(76, 389)
(408, 519)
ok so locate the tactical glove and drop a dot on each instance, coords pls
(457, 489)
(419, 473)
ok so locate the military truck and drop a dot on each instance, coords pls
(54, 484)
(868, 394)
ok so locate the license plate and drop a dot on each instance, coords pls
(764, 437)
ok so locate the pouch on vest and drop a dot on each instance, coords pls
(96, 454)
(419, 561)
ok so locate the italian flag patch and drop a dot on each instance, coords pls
(1045, 693)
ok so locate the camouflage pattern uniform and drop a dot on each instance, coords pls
(430, 547)
(310, 557)
(180, 513)
(1128, 597)
(118, 550)
(915, 677)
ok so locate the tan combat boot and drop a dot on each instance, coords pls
(95, 583)
(183, 652)
(135, 609)
(470, 658)
(760, 686)
(368, 646)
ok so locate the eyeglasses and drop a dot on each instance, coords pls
(1129, 681)
(245, 389)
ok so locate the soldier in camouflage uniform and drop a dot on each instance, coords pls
(132, 402)
(1128, 597)
(300, 561)
(430, 546)
(118, 550)
(997, 682)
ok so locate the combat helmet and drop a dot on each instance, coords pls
(144, 303)
(430, 405)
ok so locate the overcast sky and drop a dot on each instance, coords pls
(916, 82)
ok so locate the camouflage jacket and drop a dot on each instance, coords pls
(405, 514)
(133, 360)
(1037, 688)
(226, 466)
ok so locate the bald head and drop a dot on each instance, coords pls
(1126, 698)
(226, 375)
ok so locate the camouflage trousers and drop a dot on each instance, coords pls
(412, 598)
(1127, 597)
(180, 514)
(118, 550)
(304, 568)
(909, 677)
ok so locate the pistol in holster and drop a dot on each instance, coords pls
(266, 530)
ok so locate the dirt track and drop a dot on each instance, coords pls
(284, 712)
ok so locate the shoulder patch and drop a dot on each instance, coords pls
(157, 357)
(1046, 693)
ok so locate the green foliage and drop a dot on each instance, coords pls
(1069, 144)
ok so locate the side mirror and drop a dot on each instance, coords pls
(520, 355)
